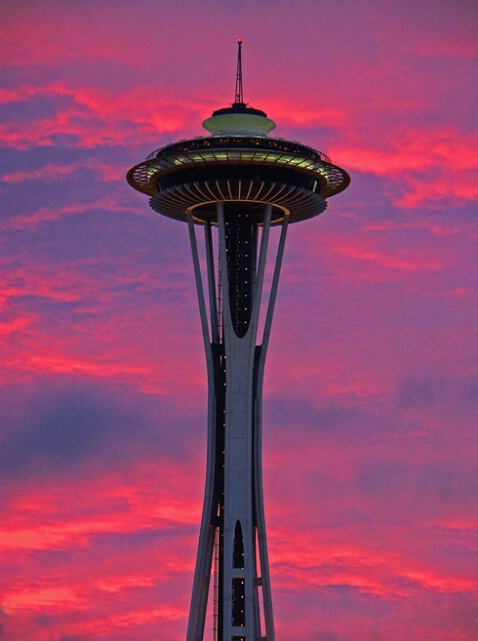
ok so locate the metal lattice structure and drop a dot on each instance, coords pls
(236, 183)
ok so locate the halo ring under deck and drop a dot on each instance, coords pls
(193, 175)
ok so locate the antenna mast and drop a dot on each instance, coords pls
(239, 95)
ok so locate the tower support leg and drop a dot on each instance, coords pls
(233, 512)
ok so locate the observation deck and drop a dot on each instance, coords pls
(193, 175)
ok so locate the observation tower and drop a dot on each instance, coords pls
(234, 185)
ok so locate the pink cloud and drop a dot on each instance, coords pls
(31, 221)
(51, 172)
(385, 260)
(94, 117)
(427, 166)
(73, 520)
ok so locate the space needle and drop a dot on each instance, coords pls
(233, 185)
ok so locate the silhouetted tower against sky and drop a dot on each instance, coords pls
(235, 184)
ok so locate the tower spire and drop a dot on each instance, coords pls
(239, 95)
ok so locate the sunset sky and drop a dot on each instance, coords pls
(371, 390)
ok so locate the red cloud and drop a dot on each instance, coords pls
(51, 172)
(430, 166)
(94, 117)
(386, 260)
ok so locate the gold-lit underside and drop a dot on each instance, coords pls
(144, 177)
(201, 197)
